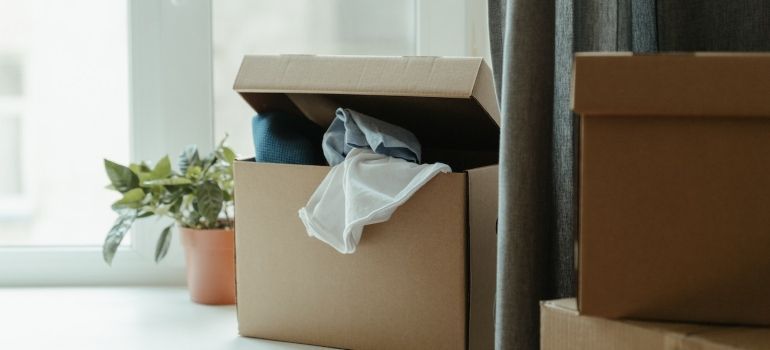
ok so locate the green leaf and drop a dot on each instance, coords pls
(162, 169)
(174, 181)
(175, 205)
(162, 210)
(171, 195)
(188, 158)
(226, 154)
(116, 234)
(139, 167)
(144, 214)
(143, 175)
(121, 177)
(193, 172)
(131, 199)
(187, 199)
(210, 199)
(206, 164)
(125, 206)
(135, 195)
(164, 241)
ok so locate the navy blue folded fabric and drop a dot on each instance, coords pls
(281, 137)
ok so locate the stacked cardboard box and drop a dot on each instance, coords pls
(674, 213)
(562, 327)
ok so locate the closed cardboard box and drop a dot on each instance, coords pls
(422, 280)
(562, 328)
(674, 214)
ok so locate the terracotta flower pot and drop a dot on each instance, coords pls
(210, 257)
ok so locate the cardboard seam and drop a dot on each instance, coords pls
(468, 261)
(475, 92)
(474, 83)
(239, 75)
(556, 306)
(692, 337)
(578, 212)
(457, 95)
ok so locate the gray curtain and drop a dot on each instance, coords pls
(532, 44)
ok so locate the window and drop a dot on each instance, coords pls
(65, 104)
(83, 80)
(63, 107)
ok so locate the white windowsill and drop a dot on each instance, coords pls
(146, 318)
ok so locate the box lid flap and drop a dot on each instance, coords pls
(448, 102)
(694, 84)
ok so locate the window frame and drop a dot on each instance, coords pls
(171, 105)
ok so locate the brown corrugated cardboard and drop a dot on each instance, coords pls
(562, 328)
(448, 103)
(698, 84)
(674, 187)
(406, 277)
(415, 280)
(482, 215)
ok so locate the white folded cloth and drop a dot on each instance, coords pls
(366, 188)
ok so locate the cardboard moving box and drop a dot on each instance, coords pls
(674, 214)
(425, 279)
(562, 328)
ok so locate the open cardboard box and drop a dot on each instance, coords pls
(425, 279)
(674, 214)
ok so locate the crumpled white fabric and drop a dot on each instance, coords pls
(366, 188)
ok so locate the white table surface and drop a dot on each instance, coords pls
(146, 318)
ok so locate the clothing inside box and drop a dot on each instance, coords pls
(454, 131)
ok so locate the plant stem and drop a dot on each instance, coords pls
(227, 217)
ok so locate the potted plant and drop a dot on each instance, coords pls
(198, 197)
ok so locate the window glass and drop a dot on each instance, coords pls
(63, 108)
(10, 153)
(10, 75)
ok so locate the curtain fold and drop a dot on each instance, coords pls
(524, 45)
(532, 44)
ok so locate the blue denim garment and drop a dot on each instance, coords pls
(351, 129)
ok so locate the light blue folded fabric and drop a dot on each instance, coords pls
(281, 137)
(351, 129)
